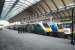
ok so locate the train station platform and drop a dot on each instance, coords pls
(11, 40)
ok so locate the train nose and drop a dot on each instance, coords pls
(60, 30)
(48, 30)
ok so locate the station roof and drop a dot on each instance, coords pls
(10, 8)
(58, 8)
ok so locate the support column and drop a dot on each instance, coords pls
(72, 36)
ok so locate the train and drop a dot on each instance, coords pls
(57, 29)
(43, 28)
(68, 29)
(39, 28)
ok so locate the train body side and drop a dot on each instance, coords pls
(39, 28)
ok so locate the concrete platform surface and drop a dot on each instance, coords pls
(11, 40)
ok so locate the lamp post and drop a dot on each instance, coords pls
(72, 37)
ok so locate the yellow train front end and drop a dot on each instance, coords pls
(60, 28)
(48, 30)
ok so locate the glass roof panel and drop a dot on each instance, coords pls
(40, 9)
(29, 1)
(9, 0)
(59, 4)
(51, 5)
(32, 1)
(46, 7)
(16, 10)
(35, 9)
(69, 2)
(20, 6)
(24, 2)
(7, 5)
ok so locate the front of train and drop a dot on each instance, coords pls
(45, 27)
(60, 28)
(57, 28)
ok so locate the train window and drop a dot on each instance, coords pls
(67, 25)
(60, 26)
(45, 24)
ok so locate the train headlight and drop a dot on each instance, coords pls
(48, 30)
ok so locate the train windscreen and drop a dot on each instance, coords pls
(45, 25)
(67, 25)
(60, 26)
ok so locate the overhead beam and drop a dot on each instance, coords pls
(47, 5)
(55, 4)
(65, 6)
(42, 6)
(1, 6)
(35, 6)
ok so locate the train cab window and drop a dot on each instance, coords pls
(38, 25)
(45, 24)
(60, 26)
(67, 25)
